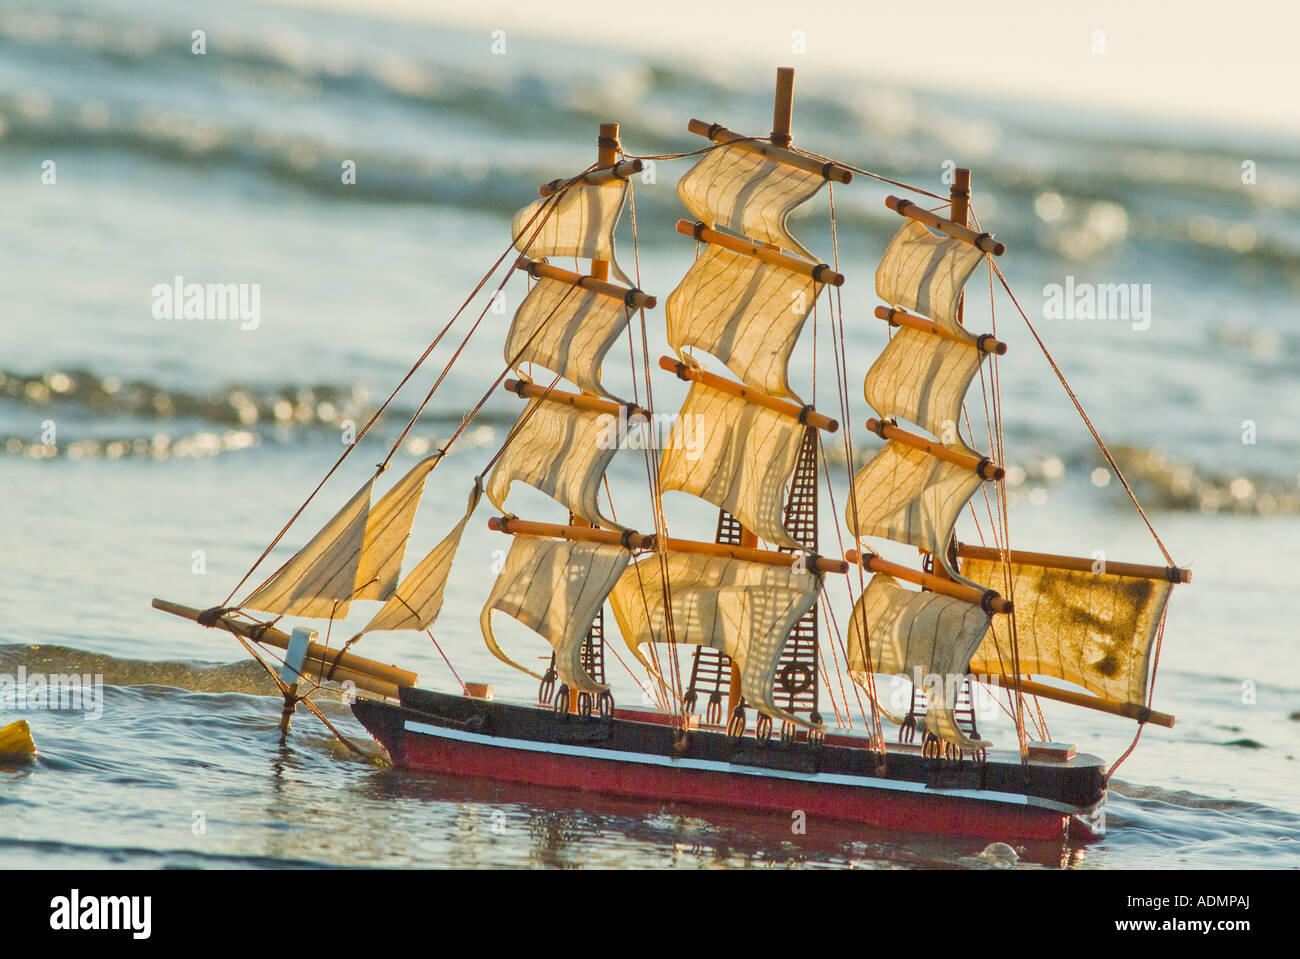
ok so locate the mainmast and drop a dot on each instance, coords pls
(741, 444)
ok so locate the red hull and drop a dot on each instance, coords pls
(883, 808)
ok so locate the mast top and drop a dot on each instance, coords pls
(783, 106)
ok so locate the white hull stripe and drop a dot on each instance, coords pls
(710, 765)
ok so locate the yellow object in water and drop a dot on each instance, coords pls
(16, 741)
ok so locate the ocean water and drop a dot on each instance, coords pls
(146, 457)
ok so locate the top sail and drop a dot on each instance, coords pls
(568, 329)
(748, 194)
(925, 273)
(580, 222)
(745, 311)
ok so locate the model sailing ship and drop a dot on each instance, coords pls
(754, 606)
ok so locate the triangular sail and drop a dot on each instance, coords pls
(579, 223)
(743, 310)
(319, 581)
(1093, 629)
(737, 455)
(925, 273)
(387, 531)
(911, 631)
(555, 587)
(417, 600)
(748, 194)
(562, 451)
(568, 330)
(744, 610)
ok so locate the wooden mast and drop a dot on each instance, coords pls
(606, 156)
(782, 111)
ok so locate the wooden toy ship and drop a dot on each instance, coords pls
(755, 606)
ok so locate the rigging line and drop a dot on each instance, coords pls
(375, 417)
(868, 173)
(550, 204)
(1101, 444)
(839, 351)
(678, 156)
(460, 682)
(656, 503)
(1151, 690)
(1009, 580)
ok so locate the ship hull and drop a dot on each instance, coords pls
(632, 755)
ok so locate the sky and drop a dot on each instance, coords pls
(1229, 63)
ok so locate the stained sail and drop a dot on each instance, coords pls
(907, 631)
(925, 273)
(562, 451)
(748, 194)
(746, 312)
(907, 495)
(744, 610)
(1093, 629)
(417, 600)
(579, 223)
(555, 587)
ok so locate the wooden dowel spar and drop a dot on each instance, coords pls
(897, 317)
(981, 241)
(810, 418)
(619, 171)
(983, 467)
(818, 272)
(632, 297)
(720, 134)
(783, 106)
(582, 401)
(358, 667)
(1127, 710)
(634, 540)
(989, 600)
(1083, 564)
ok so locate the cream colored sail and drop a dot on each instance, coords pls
(579, 223)
(568, 330)
(562, 451)
(387, 531)
(318, 582)
(1093, 629)
(907, 631)
(924, 273)
(744, 311)
(923, 378)
(742, 609)
(555, 587)
(417, 599)
(907, 495)
(356, 555)
(735, 454)
(748, 194)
